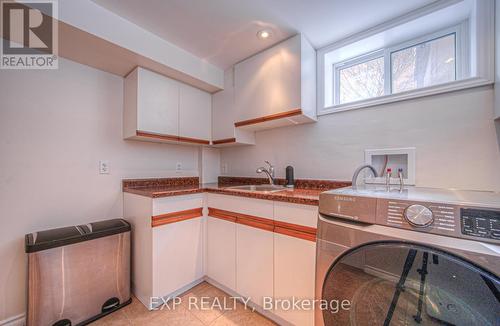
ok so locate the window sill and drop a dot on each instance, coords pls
(422, 92)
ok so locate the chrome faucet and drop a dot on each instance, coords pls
(269, 172)
(358, 170)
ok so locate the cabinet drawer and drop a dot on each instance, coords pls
(305, 215)
(172, 204)
(243, 205)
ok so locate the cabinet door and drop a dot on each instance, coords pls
(157, 103)
(254, 263)
(269, 82)
(177, 255)
(223, 113)
(294, 272)
(221, 251)
(195, 113)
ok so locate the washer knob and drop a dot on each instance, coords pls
(418, 215)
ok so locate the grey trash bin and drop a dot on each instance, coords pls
(78, 274)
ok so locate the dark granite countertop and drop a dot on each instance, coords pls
(308, 194)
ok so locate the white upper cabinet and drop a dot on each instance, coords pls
(151, 103)
(160, 109)
(276, 87)
(224, 116)
(223, 109)
(195, 113)
(159, 96)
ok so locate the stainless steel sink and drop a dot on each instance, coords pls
(259, 188)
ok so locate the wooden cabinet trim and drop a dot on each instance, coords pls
(270, 117)
(174, 217)
(141, 133)
(194, 140)
(256, 222)
(296, 227)
(221, 214)
(224, 141)
(295, 233)
(253, 221)
(290, 229)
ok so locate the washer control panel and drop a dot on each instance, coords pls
(480, 223)
(469, 215)
(418, 215)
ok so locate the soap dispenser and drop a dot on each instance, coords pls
(290, 182)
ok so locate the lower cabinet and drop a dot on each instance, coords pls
(177, 255)
(167, 245)
(254, 263)
(263, 249)
(254, 248)
(294, 273)
(221, 252)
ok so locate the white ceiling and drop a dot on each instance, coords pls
(223, 32)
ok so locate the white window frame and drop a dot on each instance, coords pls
(462, 49)
(337, 67)
(479, 39)
(461, 61)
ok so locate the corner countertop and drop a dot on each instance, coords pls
(306, 191)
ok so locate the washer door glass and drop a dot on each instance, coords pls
(407, 284)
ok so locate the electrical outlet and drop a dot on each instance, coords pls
(224, 168)
(103, 167)
(178, 167)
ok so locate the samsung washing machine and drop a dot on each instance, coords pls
(418, 256)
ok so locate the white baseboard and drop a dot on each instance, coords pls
(147, 302)
(19, 320)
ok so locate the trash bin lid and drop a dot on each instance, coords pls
(59, 237)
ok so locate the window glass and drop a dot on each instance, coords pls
(361, 81)
(425, 64)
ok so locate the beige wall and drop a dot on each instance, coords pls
(454, 134)
(54, 128)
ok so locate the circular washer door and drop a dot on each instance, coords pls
(392, 283)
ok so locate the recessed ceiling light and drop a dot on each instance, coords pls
(264, 34)
(450, 60)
